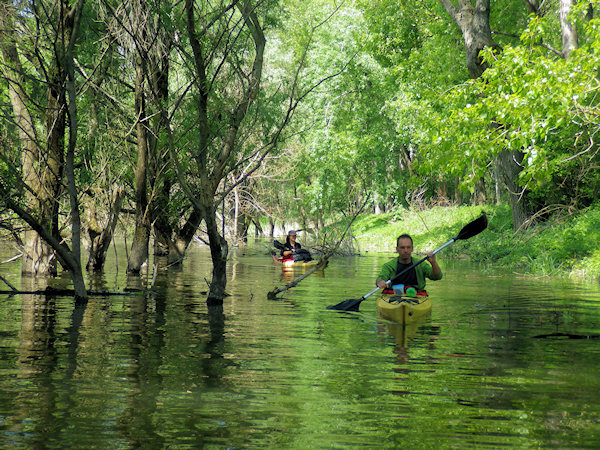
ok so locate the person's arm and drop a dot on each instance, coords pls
(436, 271)
(387, 271)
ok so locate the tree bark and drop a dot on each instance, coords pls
(100, 240)
(474, 23)
(141, 238)
(37, 255)
(570, 40)
(510, 165)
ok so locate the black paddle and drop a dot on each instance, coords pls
(468, 231)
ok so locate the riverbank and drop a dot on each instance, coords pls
(566, 244)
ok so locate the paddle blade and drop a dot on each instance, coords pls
(347, 305)
(473, 228)
(278, 245)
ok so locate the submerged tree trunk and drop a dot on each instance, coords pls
(43, 168)
(101, 238)
(218, 252)
(215, 150)
(141, 238)
(37, 255)
(70, 26)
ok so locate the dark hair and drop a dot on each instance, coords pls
(404, 236)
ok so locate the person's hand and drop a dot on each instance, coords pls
(381, 284)
(434, 265)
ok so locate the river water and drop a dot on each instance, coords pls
(503, 360)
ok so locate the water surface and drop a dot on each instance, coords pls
(503, 360)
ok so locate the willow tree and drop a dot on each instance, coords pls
(44, 36)
(142, 33)
(237, 117)
(227, 47)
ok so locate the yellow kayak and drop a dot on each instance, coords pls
(403, 309)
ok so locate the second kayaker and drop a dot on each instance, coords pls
(293, 250)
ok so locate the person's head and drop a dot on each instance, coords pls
(404, 247)
(291, 236)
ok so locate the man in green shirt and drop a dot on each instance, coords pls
(414, 277)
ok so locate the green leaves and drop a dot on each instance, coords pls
(529, 100)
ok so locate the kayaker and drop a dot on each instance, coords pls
(414, 277)
(293, 250)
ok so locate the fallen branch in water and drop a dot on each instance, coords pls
(8, 284)
(272, 295)
(50, 291)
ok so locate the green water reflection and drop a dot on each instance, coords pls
(163, 370)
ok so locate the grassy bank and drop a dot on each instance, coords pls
(564, 245)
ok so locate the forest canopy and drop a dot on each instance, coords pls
(201, 119)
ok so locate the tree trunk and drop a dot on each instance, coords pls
(37, 255)
(218, 252)
(180, 242)
(141, 238)
(236, 213)
(161, 175)
(43, 168)
(497, 182)
(570, 40)
(212, 168)
(271, 227)
(70, 24)
(101, 239)
(479, 194)
(163, 232)
(510, 166)
(474, 23)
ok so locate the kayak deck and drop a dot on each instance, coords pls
(291, 263)
(403, 309)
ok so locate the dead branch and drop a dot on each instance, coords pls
(272, 295)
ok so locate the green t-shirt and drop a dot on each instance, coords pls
(423, 271)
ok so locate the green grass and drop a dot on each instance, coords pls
(563, 245)
(429, 228)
